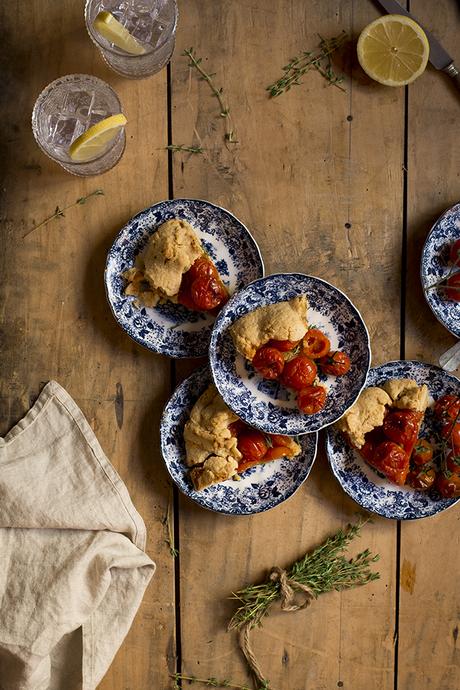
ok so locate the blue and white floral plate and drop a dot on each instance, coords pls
(435, 266)
(364, 484)
(171, 329)
(265, 404)
(261, 487)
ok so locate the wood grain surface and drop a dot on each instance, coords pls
(339, 184)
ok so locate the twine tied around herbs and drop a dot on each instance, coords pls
(288, 589)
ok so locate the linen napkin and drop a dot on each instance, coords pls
(72, 564)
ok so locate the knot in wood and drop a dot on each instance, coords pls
(288, 589)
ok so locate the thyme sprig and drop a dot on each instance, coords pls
(319, 59)
(194, 61)
(59, 212)
(212, 682)
(323, 570)
(180, 147)
(169, 533)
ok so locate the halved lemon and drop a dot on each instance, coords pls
(94, 141)
(393, 50)
(110, 28)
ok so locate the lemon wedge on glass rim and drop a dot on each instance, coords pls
(393, 50)
(95, 140)
(113, 31)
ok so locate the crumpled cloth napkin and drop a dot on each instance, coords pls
(72, 565)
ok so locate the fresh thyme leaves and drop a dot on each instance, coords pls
(59, 212)
(169, 533)
(230, 137)
(319, 59)
(210, 682)
(188, 149)
(323, 570)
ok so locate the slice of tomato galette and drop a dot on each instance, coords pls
(219, 445)
(281, 346)
(175, 267)
(384, 424)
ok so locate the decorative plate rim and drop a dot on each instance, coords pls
(424, 255)
(346, 488)
(138, 216)
(221, 316)
(192, 496)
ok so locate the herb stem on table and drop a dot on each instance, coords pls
(319, 59)
(180, 147)
(217, 92)
(169, 533)
(59, 212)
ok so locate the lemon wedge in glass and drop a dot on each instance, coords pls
(393, 50)
(95, 140)
(110, 28)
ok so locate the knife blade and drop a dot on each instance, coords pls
(439, 57)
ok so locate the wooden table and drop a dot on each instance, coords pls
(341, 185)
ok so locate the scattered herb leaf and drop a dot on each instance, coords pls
(179, 147)
(59, 212)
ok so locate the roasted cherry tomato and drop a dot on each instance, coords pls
(452, 288)
(421, 480)
(203, 268)
(392, 460)
(238, 427)
(268, 362)
(447, 407)
(207, 292)
(335, 363)
(279, 440)
(448, 484)
(453, 462)
(252, 445)
(401, 426)
(311, 399)
(299, 372)
(451, 432)
(422, 453)
(455, 253)
(275, 453)
(315, 344)
(283, 345)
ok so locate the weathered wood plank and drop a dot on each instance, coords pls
(55, 321)
(301, 172)
(430, 556)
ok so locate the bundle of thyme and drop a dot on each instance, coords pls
(323, 570)
(319, 59)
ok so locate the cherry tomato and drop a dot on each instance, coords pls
(184, 297)
(422, 453)
(452, 288)
(276, 452)
(335, 363)
(202, 268)
(448, 485)
(455, 253)
(453, 462)
(447, 408)
(207, 293)
(311, 399)
(422, 480)
(401, 426)
(252, 445)
(392, 460)
(299, 372)
(315, 344)
(283, 345)
(268, 362)
(238, 427)
(280, 440)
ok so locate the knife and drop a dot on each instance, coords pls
(439, 58)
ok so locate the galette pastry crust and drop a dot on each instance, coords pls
(293, 448)
(280, 321)
(171, 251)
(206, 432)
(214, 469)
(367, 413)
(406, 394)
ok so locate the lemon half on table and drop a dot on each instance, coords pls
(113, 31)
(393, 50)
(95, 140)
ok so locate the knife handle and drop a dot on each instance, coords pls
(453, 72)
